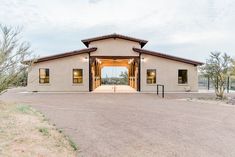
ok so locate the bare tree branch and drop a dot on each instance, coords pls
(13, 51)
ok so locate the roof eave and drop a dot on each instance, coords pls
(58, 56)
(142, 42)
(86, 43)
(157, 54)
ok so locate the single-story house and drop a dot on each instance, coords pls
(80, 70)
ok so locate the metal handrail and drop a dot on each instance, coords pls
(163, 92)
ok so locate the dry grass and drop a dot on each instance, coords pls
(26, 132)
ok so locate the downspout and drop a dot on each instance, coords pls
(139, 73)
(90, 76)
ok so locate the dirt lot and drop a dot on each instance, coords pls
(138, 124)
(26, 132)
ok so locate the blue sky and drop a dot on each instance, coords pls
(185, 28)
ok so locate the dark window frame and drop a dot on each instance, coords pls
(182, 81)
(73, 79)
(155, 77)
(47, 76)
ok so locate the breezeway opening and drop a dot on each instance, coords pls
(114, 79)
(115, 75)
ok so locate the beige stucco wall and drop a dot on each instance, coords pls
(114, 47)
(61, 69)
(60, 74)
(167, 74)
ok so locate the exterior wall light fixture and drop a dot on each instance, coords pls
(142, 59)
(85, 59)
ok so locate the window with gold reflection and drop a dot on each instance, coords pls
(44, 76)
(151, 76)
(77, 76)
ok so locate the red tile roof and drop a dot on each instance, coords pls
(140, 41)
(162, 55)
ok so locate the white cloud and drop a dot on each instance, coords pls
(188, 28)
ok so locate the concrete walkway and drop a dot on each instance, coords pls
(138, 125)
(114, 89)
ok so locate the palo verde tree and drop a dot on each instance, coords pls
(12, 52)
(217, 68)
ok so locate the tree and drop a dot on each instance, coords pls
(217, 68)
(233, 67)
(124, 77)
(13, 51)
(21, 79)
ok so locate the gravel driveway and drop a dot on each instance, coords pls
(123, 125)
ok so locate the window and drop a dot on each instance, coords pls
(77, 76)
(183, 76)
(44, 76)
(151, 76)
